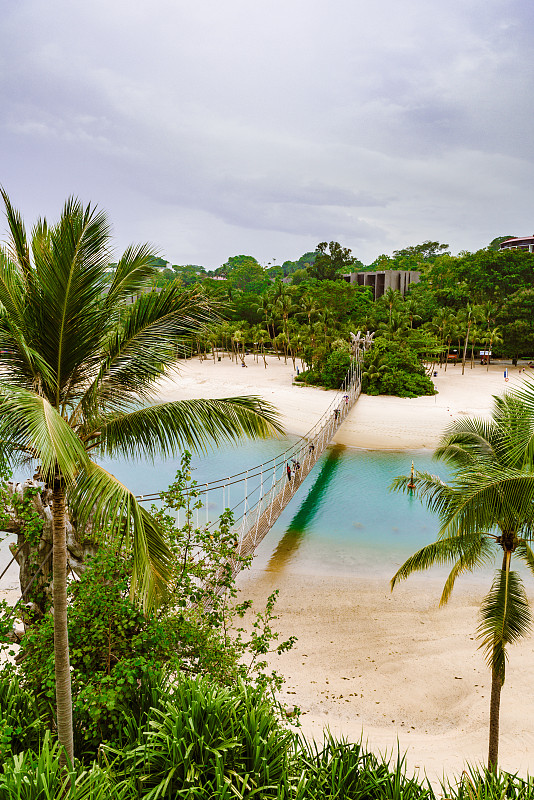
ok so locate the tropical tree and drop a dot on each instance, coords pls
(78, 369)
(486, 509)
(492, 336)
(331, 260)
(391, 298)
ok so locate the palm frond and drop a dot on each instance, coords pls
(100, 499)
(482, 497)
(478, 550)
(70, 265)
(168, 428)
(18, 245)
(133, 270)
(20, 361)
(465, 442)
(11, 288)
(147, 343)
(493, 496)
(443, 551)
(430, 489)
(505, 617)
(521, 404)
(34, 425)
(524, 552)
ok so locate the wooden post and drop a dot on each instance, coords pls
(411, 485)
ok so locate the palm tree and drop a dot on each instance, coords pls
(78, 371)
(410, 306)
(391, 299)
(449, 333)
(486, 509)
(492, 336)
(261, 337)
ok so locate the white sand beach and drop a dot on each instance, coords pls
(393, 666)
(375, 423)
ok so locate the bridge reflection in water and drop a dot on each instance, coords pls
(290, 542)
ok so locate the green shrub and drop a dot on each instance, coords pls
(392, 367)
(39, 776)
(405, 384)
(201, 736)
(113, 647)
(20, 725)
(335, 368)
(328, 371)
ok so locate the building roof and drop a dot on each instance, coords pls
(519, 239)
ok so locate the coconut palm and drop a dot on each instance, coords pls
(486, 509)
(78, 369)
(391, 298)
(491, 336)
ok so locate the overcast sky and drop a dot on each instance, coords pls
(263, 127)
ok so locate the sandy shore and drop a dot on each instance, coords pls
(375, 423)
(395, 667)
(390, 666)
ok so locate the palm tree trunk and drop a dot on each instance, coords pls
(488, 356)
(465, 348)
(495, 699)
(495, 704)
(61, 634)
(447, 356)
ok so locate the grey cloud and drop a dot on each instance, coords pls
(291, 123)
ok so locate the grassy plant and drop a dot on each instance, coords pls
(20, 725)
(483, 784)
(342, 771)
(39, 776)
(204, 737)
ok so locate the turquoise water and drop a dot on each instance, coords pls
(342, 521)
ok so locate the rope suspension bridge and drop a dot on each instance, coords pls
(265, 490)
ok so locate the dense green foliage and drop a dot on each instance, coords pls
(393, 367)
(115, 646)
(468, 303)
(196, 741)
(329, 371)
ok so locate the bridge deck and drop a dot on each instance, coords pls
(261, 520)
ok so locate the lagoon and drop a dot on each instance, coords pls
(343, 520)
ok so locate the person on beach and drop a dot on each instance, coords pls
(288, 470)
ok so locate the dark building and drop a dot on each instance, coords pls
(380, 282)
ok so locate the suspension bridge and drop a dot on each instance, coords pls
(265, 490)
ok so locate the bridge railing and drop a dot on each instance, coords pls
(265, 489)
(257, 520)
